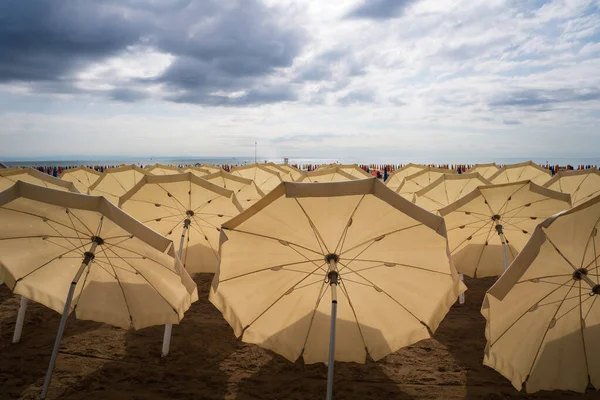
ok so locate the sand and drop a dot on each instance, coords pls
(207, 361)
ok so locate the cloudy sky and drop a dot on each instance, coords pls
(423, 78)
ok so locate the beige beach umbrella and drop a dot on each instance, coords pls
(82, 177)
(293, 171)
(10, 176)
(447, 189)
(115, 182)
(488, 227)
(211, 168)
(285, 175)
(265, 178)
(415, 182)
(159, 169)
(187, 208)
(78, 253)
(245, 190)
(333, 174)
(485, 170)
(521, 172)
(543, 315)
(397, 177)
(387, 258)
(201, 172)
(355, 171)
(582, 185)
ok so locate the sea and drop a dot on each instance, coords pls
(143, 161)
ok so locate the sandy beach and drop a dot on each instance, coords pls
(208, 362)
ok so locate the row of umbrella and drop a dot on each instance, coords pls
(357, 237)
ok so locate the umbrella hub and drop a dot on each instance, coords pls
(332, 275)
(596, 290)
(186, 223)
(579, 274)
(98, 240)
(189, 213)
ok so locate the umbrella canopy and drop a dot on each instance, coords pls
(543, 325)
(187, 207)
(9, 176)
(520, 172)
(333, 174)
(485, 170)
(82, 177)
(211, 168)
(389, 257)
(293, 171)
(245, 190)
(115, 182)
(352, 169)
(201, 172)
(397, 177)
(132, 279)
(286, 176)
(265, 178)
(582, 185)
(447, 189)
(478, 222)
(415, 182)
(159, 169)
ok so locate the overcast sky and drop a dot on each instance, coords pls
(491, 78)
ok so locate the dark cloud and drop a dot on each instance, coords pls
(543, 99)
(357, 97)
(127, 95)
(255, 96)
(323, 66)
(380, 9)
(219, 46)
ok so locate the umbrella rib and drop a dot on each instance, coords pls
(174, 199)
(561, 254)
(320, 296)
(595, 260)
(354, 258)
(381, 236)
(400, 264)
(592, 237)
(48, 262)
(161, 205)
(591, 306)
(581, 321)
(441, 205)
(487, 203)
(70, 242)
(280, 297)
(151, 285)
(487, 238)
(161, 218)
(529, 308)
(120, 285)
(39, 236)
(141, 255)
(307, 259)
(263, 269)
(60, 245)
(547, 329)
(340, 244)
(205, 204)
(73, 224)
(506, 201)
(521, 207)
(119, 182)
(446, 192)
(101, 261)
(473, 234)
(542, 277)
(43, 217)
(390, 296)
(573, 308)
(346, 294)
(469, 224)
(197, 225)
(314, 228)
(71, 212)
(274, 238)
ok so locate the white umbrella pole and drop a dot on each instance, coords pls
(88, 257)
(20, 320)
(169, 327)
(333, 278)
(461, 297)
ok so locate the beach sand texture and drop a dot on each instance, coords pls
(207, 362)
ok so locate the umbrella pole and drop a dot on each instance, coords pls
(20, 319)
(461, 297)
(169, 327)
(88, 257)
(503, 240)
(333, 278)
